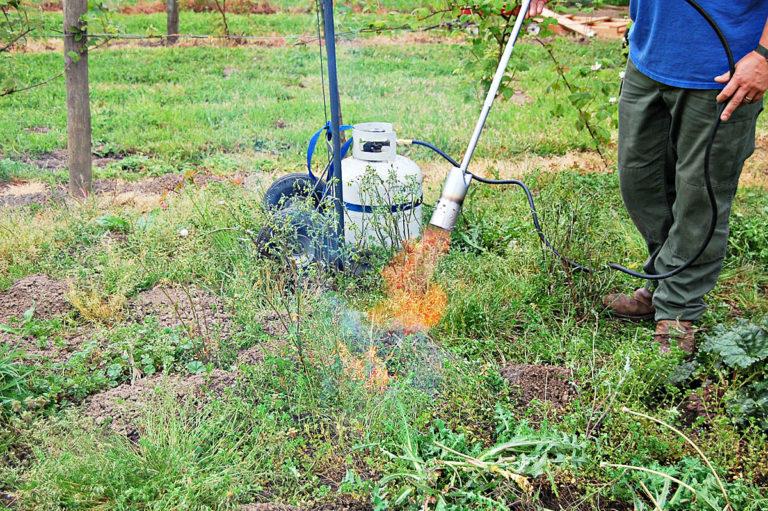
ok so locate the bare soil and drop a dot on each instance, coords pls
(38, 129)
(267, 507)
(143, 8)
(339, 503)
(122, 407)
(267, 40)
(145, 194)
(343, 503)
(55, 160)
(156, 7)
(567, 497)
(614, 11)
(46, 295)
(200, 312)
(553, 384)
(755, 171)
(23, 194)
(586, 162)
(234, 6)
(54, 349)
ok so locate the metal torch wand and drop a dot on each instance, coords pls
(457, 183)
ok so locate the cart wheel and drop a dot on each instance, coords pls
(291, 188)
(299, 239)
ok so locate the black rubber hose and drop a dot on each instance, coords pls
(437, 150)
(535, 217)
(528, 194)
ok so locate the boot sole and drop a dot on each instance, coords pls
(628, 317)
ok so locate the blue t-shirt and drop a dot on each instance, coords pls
(673, 44)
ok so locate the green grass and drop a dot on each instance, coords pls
(180, 107)
(299, 426)
(280, 24)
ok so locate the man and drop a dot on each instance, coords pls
(673, 80)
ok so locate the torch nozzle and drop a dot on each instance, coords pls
(449, 206)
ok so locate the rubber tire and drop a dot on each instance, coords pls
(293, 186)
(305, 246)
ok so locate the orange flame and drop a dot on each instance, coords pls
(413, 302)
(368, 368)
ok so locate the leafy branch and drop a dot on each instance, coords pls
(580, 99)
(15, 39)
(13, 90)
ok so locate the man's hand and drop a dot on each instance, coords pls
(748, 84)
(536, 7)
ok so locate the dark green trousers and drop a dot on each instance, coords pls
(663, 132)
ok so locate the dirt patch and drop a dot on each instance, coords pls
(703, 405)
(236, 7)
(402, 38)
(38, 129)
(613, 11)
(52, 160)
(553, 384)
(251, 356)
(51, 6)
(23, 194)
(343, 503)
(145, 194)
(267, 507)
(48, 296)
(520, 98)
(338, 503)
(123, 406)
(585, 162)
(143, 8)
(567, 496)
(152, 192)
(755, 171)
(56, 160)
(199, 311)
(268, 40)
(233, 6)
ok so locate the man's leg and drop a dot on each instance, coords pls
(646, 176)
(693, 112)
(646, 161)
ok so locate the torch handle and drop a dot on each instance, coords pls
(497, 78)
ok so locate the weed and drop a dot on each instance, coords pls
(92, 305)
(186, 458)
(136, 350)
(14, 387)
(749, 233)
(29, 327)
(443, 469)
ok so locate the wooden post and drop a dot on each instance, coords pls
(172, 10)
(78, 106)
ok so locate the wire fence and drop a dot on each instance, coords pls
(304, 38)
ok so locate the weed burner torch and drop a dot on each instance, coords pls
(459, 178)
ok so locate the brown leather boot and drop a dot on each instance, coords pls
(637, 307)
(681, 332)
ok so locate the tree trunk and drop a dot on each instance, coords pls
(172, 10)
(78, 106)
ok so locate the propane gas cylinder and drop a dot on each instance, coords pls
(382, 189)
